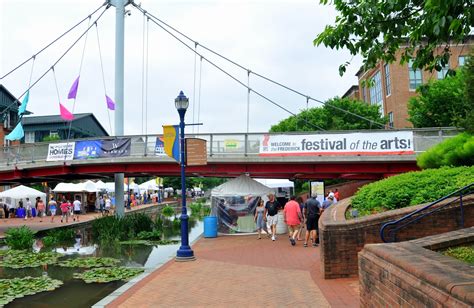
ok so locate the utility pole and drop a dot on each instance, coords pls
(119, 97)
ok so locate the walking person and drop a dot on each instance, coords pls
(65, 210)
(101, 205)
(52, 208)
(108, 205)
(29, 209)
(293, 217)
(271, 212)
(311, 213)
(260, 219)
(40, 209)
(302, 225)
(77, 209)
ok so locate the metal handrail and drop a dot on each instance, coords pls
(469, 189)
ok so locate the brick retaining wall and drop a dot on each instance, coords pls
(408, 274)
(342, 239)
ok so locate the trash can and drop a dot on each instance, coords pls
(281, 227)
(210, 226)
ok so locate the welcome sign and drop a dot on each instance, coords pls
(383, 143)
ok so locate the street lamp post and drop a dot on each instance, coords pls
(184, 253)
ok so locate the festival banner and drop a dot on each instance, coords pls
(171, 141)
(87, 149)
(160, 147)
(90, 149)
(374, 143)
(60, 151)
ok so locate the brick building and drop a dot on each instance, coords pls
(393, 84)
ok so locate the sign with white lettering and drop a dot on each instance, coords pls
(60, 151)
(196, 152)
(374, 143)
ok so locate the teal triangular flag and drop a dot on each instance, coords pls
(17, 133)
(22, 108)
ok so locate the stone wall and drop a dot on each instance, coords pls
(408, 274)
(342, 239)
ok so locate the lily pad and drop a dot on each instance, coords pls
(19, 287)
(89, 262)
(24, 258)
(108, 274)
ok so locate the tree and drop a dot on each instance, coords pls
(330, 117)
(443, 103)
(377, 29)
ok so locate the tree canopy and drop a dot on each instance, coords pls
(377, 29)
(446, 102)
(330, 117)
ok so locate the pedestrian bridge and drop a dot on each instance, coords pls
(370, 154)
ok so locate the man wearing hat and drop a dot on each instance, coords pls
(271, 209)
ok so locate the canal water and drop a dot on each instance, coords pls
(77, 293)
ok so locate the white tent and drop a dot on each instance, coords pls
(241, 186)
(22, 192)
(88, 186)
(276, 183)
(110, 187)
(149, 185)
(100, 185)
(234, 204)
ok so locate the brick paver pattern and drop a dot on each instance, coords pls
(242, 271)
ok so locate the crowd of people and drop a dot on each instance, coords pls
(297, 215)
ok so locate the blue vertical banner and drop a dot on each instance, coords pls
(171, 141)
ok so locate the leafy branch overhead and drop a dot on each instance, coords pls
(378, 29)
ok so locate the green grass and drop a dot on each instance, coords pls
(463, 253)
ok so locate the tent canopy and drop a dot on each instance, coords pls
(88, 186)
(241, 186)
(149, 185)
(21, 192)
(276, 183)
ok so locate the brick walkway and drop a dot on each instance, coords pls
(242, 271)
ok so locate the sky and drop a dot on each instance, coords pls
(271, 37)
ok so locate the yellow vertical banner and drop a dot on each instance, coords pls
(171, 141)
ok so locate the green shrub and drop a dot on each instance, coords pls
(167, 211)
(113, 228)
(195, 208)
(149, 235)
(456, 151)
(20, 238)
(463, 253)
(411, 188)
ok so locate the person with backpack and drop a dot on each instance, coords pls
(271, 212)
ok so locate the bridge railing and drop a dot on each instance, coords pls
(218, 145)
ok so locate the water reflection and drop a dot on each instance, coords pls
(76, 293)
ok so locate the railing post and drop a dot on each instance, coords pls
(210, 147)
(462, 211)
(33, 154)
(246, 144)
(146, 146)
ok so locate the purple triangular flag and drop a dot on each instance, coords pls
(110, 103)
(73, 90)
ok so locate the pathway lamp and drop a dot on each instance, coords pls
(184, 252)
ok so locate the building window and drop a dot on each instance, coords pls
(6, 122)
(390, 119)
(443, 72)
(6, 142)
(388, 85)
(29, 137)
(376, 91)
(462, 60)
(416, 79)
(54, 134)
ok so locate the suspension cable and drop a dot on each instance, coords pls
(54, 64)
(103, 75)
(225, 72)
(199, 97)
(256, 74)
(52, 42)
(194, 83)
(79, 76)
